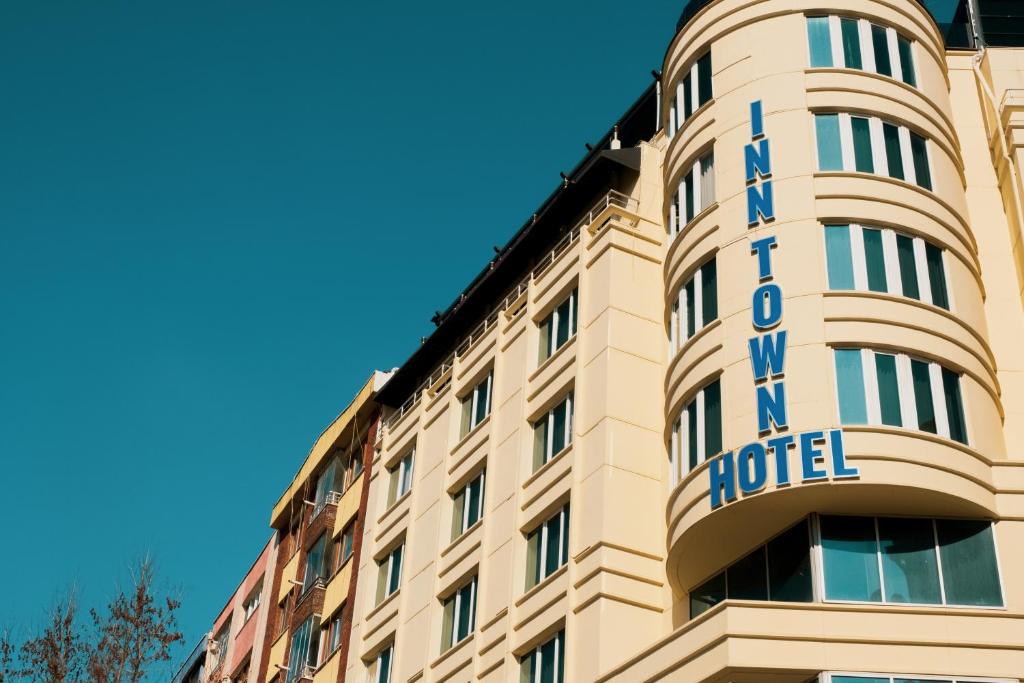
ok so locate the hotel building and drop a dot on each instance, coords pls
(743, 400)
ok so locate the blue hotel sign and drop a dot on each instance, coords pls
(820, 454)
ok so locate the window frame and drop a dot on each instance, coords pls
(679, 459)
(546, 452)
(909, 417)
(549, 326)
(865, 38)
(876, 128)
(388, 575)
(531, 663)
(679, 219)
(686, 89)
(679, 312)
(400, 477)
(819, 576)
(460, 522)
(891, 263)
(378, 674)
(470, 404)
(541, 532)
(454, 602)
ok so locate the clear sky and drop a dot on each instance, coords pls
(217, 217)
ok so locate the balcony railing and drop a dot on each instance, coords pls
(332, 498)
(308, 590)
(612, 199)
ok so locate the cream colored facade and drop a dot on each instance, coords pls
(639, 542)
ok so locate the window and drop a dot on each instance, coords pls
(389, 573)
(859, 44)
(348, 537)
(282, 613)
(693, 91)
(305, 647)
(469, 505)
(848, 142)
(400, 477)
(331, 480)
(876, 387)
(221, 641)
(252, 603)
(905, 560)
(697, 432)
(696, 193)
(547, 547)
(318, 561)
(553, 432)
(558, 327)
(696, 305)
(380, 668)
(883, 260)
(459, 615)
(330, 636)
(546, 663)
(476, 406)
(779, 570)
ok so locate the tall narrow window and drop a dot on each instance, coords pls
(546, 663)
(305, 647)
(704, 79)
(459, 618)
(348, 539)
(863, 158)
(697, 432)
(905, 51)
(893, 150)
(389, 573)
(696, 191)
(318, 561)
(380, 668)
(880, 48)
(851, 43)
(559, 326)
(553, 432)
(922, 170)
(693, 90)
(400, 477)
(469, 505)
(696, 305)
(830, 152)
(859, 258)
(820, 41)
(476, 405)
(873, 389)
(547, 547)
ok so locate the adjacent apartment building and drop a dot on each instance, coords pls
(742, 401)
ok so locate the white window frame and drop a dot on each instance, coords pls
(568, 404)
(555, 318)
(474, 398)
(680, 310)
(457, 611)
(387, 564)
(905, 389)
(879, 158)
(404, 469)
(563, 531)
(678, 221)
(679, 460)
(376, 674)
(537, 654)
(464, 491)
(894, 280)
(867, 46)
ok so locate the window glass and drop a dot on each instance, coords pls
(893, 150)
(850, 387)
(687, 96)
(862, 154)
(888, 389)
(923, 396)
(830, 152)
(849, 554)
(954, 406)
(969, 569)
(704, 78)
(691, 308)
(909, 565)
(820, 40)
(919, 150)
(789, 566)
(707, 595)
(709, 291)
(851, 43)
(707, 181)
(839, 256)
(688, 196)
(747, 579)
(712, 419)
(880, 44)
(906, 61)
(874, 259)
(936, 276)
(908, 266)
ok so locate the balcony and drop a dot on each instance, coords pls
(332, 498)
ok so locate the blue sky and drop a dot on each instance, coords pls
(216, 218)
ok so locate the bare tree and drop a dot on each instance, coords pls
(7, 654)
(136, 631)
(56, 654)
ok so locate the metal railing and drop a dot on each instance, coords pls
(612, 198)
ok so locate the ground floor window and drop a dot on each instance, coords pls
(888, 560)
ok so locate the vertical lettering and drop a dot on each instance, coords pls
(722, 471)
